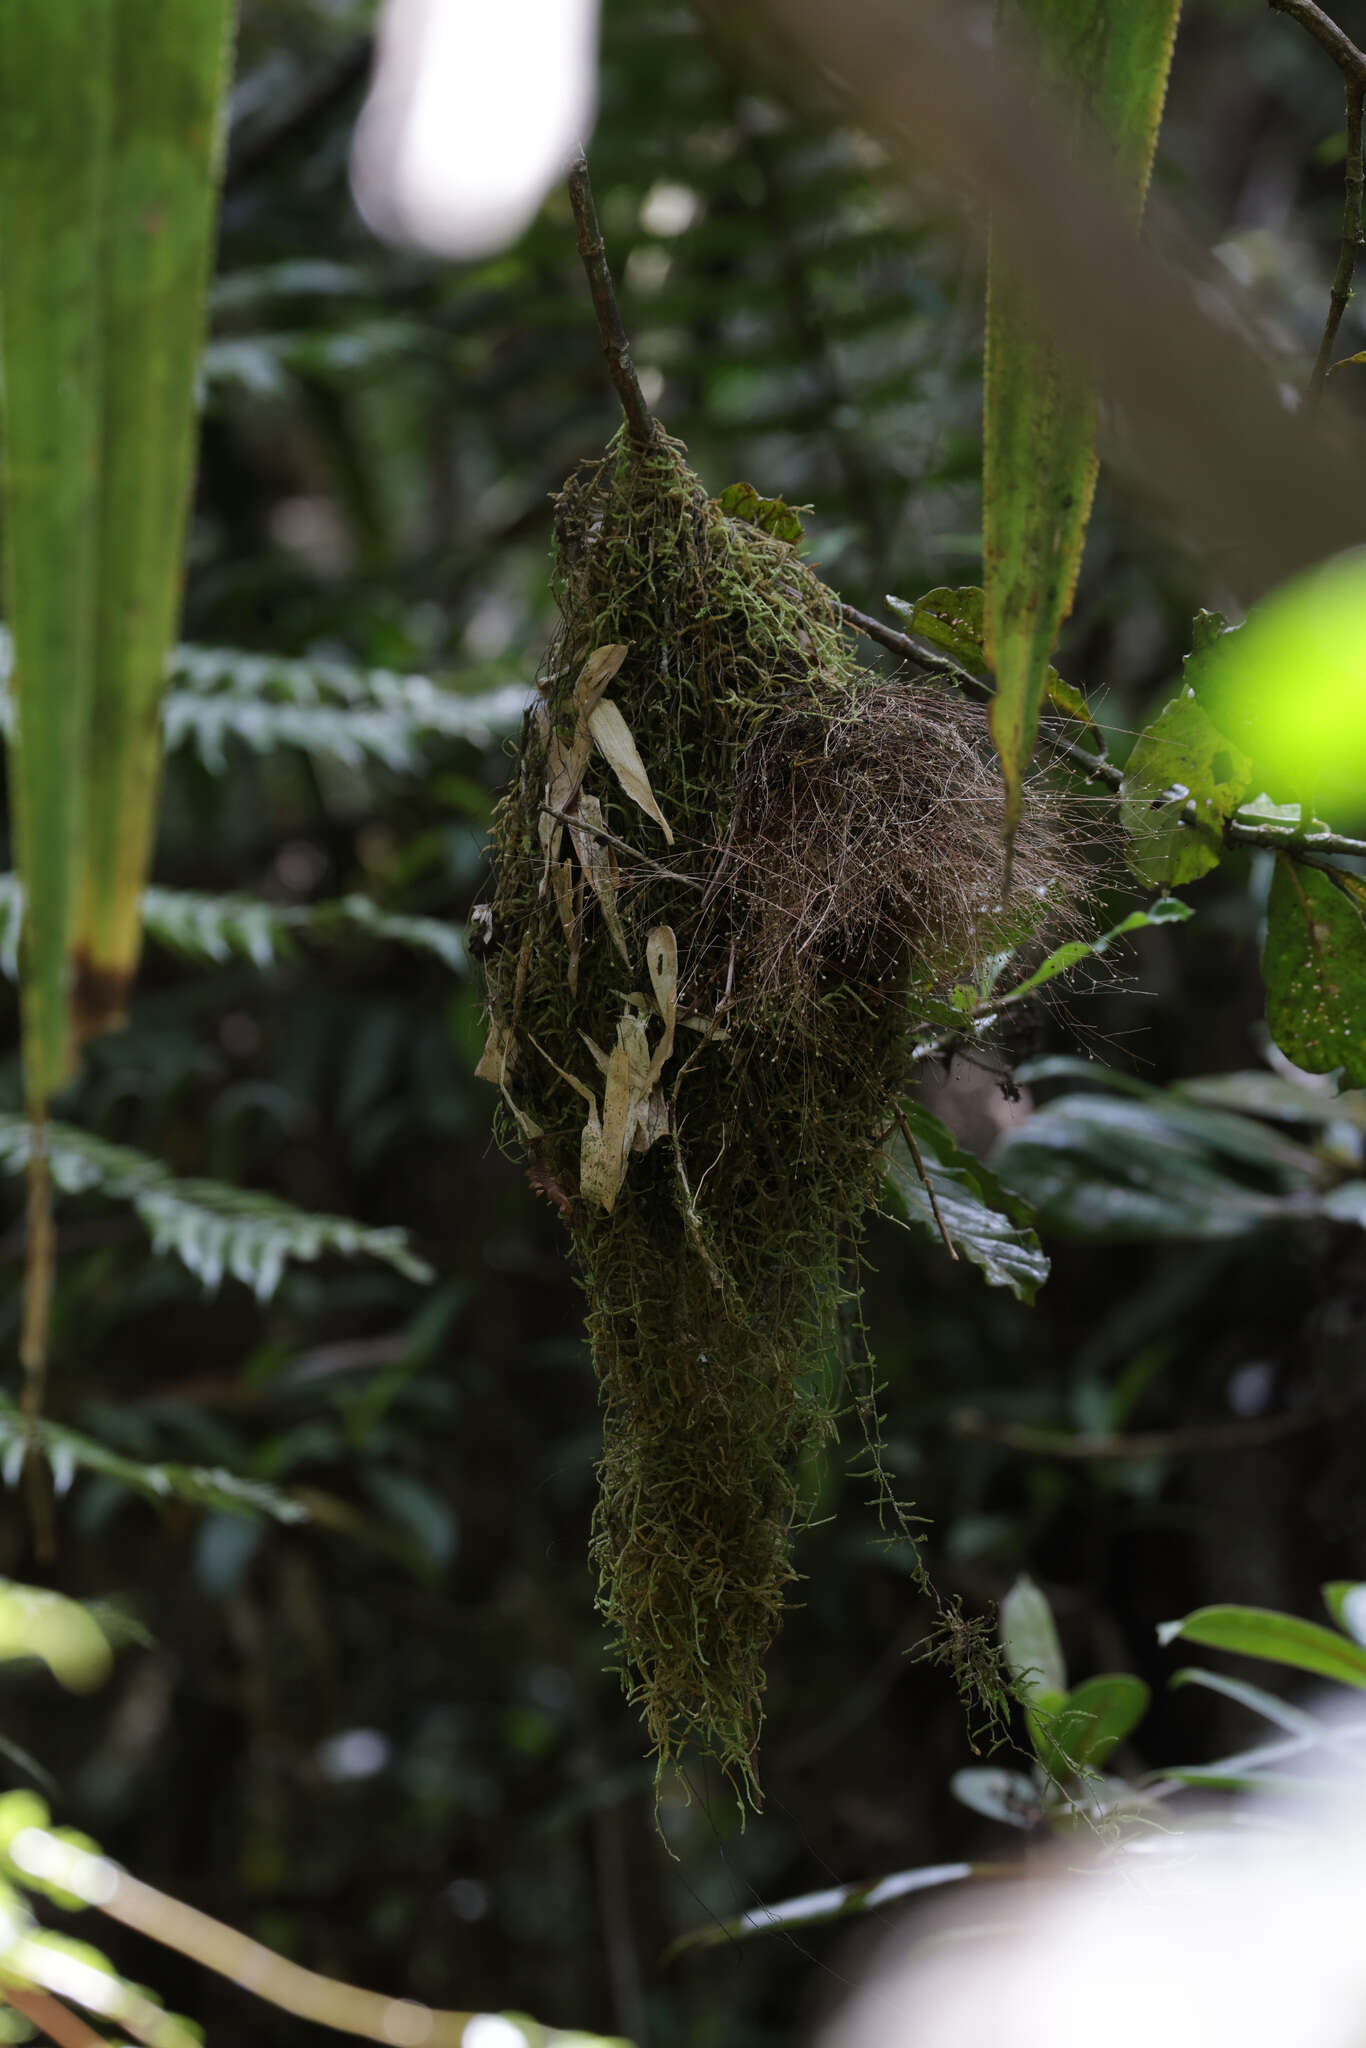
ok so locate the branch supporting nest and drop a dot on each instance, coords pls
(640, 420)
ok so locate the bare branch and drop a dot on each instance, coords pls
(1350, 61)
(1198, 1440)
(639, 419)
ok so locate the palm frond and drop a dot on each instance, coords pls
(217, 928)
(352, 715)
(212, 1228)
(69, 1451)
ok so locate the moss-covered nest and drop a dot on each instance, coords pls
(732, 861)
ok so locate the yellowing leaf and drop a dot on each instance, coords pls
(613, 736)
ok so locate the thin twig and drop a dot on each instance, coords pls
(1351, 62)
(1198, 1440)
(909, 1135)
(615, 347)
(1351, 240)
(930, 656)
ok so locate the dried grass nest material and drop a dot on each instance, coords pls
(731, 860)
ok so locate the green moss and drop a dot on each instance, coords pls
(816, 875)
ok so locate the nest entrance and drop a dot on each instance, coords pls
(730, 857)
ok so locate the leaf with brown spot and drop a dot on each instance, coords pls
(1314, 965)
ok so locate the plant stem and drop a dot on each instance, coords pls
(1198, 1440)
(40, 1258)
(1351, 62)
(1349, 59)
(52, 2019)
(639, 419)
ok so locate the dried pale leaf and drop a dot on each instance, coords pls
(661, 953)
(579, 1087)
(596, 673)
(598, 1054)
(497, 1056)
(527, 1125)
(613, 736)
(562, 888)
(607, 1141)
(595, 856)
(653, 1122)
(603, 1153)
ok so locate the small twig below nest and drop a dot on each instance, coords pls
(615, 346)
(909, 1135)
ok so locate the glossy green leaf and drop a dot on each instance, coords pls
(1257, 1700)
(1314, 966)
(1182, 782)
(1345, 1600)
(1096, 1167)
(1007, 1796)
(985, 1224)
(1029, 1640)
(1280, 1638)
(1274, 1096)
(1107, 1709)
(835, 1903)
(1111, 58)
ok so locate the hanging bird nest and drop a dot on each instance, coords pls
(732, 863)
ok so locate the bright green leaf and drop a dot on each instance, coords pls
(1109, 1708)
(1345, 1600)
(1167, 910)
(1280, 1638)
(1182, 782)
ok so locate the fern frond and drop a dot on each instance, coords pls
(69, 1451)
(212, 1228)
(352, 715)
(218, 928)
